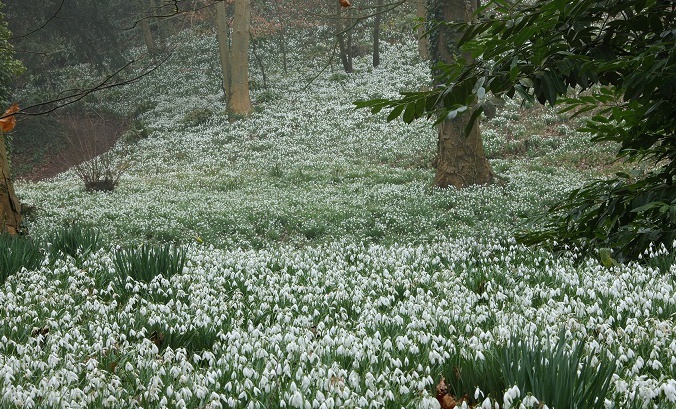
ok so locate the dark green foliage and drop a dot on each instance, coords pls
(547, 371)
(194, 340)
(147, 262)
(9, 66)
(197, 116)
(625, 214)
(38, 138)
(550, 373)
(55, 33)
(16, 253)
(468, 373)
(75, 241)
(621, 58)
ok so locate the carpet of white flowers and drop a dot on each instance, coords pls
(322, 269)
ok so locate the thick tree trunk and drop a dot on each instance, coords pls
(461, 160)
(10, 208)
(223, 36)
(423, 43)
(240, 102)
(376, 33)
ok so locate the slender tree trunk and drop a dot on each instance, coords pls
(423, 41)
(344, 41)
(350, 36)
(376, 33)
(148, 39)
(240, 102)
(10, 208)
(223, 35)
(461, 160)
(159, 23)
(282, 46)
(259, 61)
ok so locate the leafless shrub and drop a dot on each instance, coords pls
(91, 153)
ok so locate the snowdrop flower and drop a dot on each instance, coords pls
(530, 401)
(296, 400)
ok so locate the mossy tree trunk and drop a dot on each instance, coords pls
(10, 208)
(461, 160)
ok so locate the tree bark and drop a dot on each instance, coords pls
(344, 41)
(161, 35)
(376, 33)
(240, 101)
(223, 36)
(148, 39)
(423, 42)
(461, 160)
(10, 208)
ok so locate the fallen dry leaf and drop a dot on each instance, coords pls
(448, 401)
(9, 119)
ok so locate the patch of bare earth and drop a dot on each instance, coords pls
(78, 139)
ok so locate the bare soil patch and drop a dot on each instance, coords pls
(45, 147)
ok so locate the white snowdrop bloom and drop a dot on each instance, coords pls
(478, 393)
(530, 401)
(428, 402)
(403, 390)
(170, 390)
(215, 400)
(387, 345)
(486, 404)
(201, 392)
(296, 400)
(669, 390)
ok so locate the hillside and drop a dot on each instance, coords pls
(313, 264)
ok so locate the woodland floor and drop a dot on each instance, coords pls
(59, 142)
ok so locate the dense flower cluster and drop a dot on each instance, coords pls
(324, 271)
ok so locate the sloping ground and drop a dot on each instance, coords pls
(52, 145)
(321, 268)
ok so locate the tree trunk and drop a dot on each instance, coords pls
(282, 46)
(144, 16)
(240, 101)
(376, 33)
(223, 36)
(148, 37)
(10, 208)
(461, 160)
(259, 61)
(159, 23)
(344, 41)
(423, 42)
